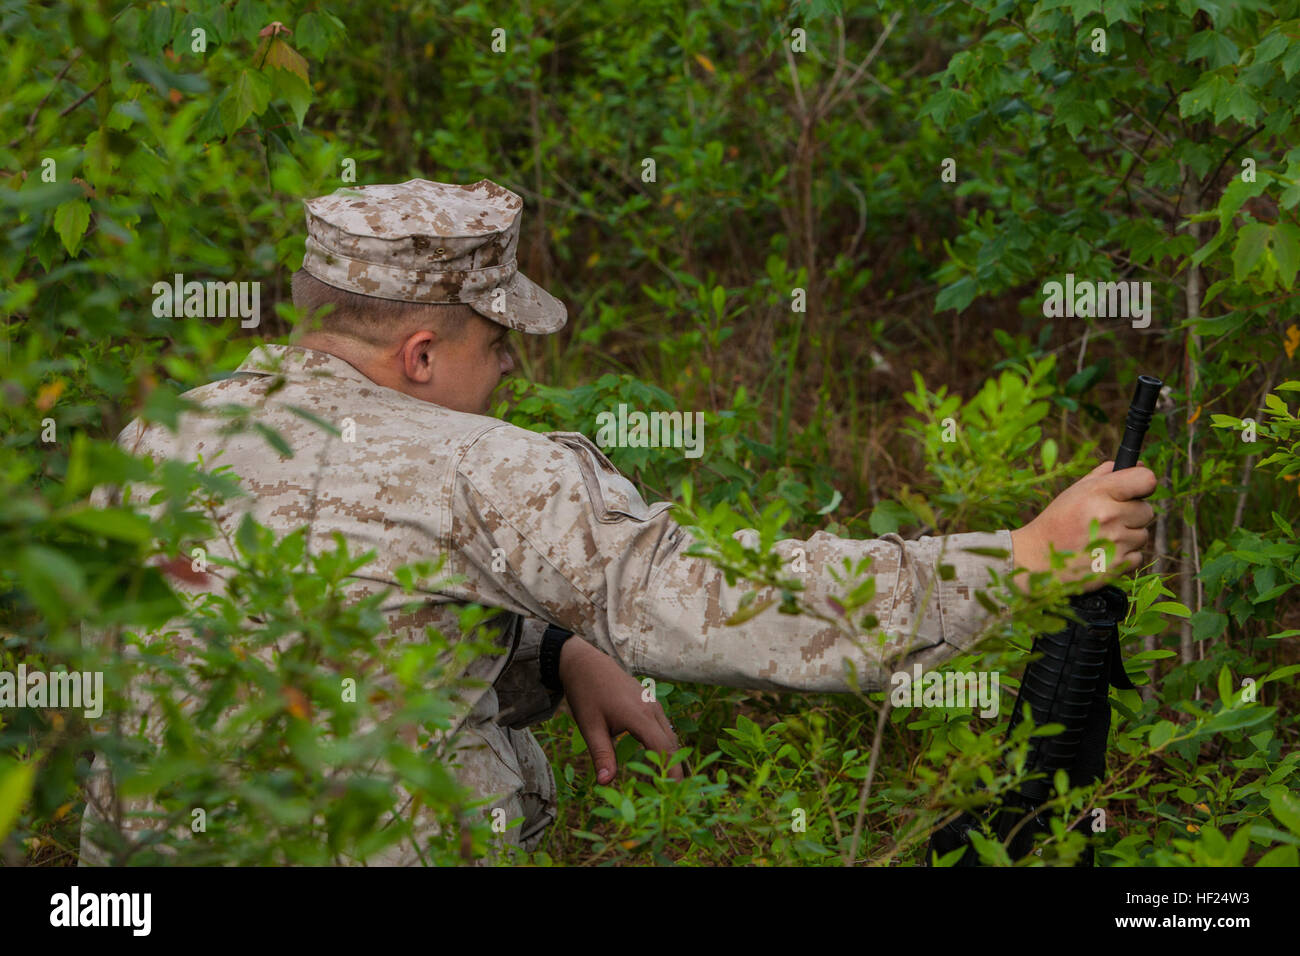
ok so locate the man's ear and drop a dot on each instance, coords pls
(417, 357)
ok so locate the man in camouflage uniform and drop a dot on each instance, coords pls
(542, 525)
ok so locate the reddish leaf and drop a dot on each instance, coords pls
(181, 568)
(297, 703)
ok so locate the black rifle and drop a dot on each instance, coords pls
(1068, 684)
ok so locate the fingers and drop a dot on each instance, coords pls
(667, 726)
(1112, 499)
(653, 732)
(676, 772)
(1130, 483)
(601, 748)
(1130, 562)
(1130, 546)
(1137, 514)
(1128, 537)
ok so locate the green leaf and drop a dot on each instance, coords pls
(16, 780)
(274, 439)
(1271, 47)
(743, 613)
(70, 222)
(1215, 48)
(53, 580)
(1237, 192)
(246, 536)
(1280, 856)
(1206, 624)
(1202, 97)
(1286, 251)
(1151, 655)
(1084, 8)
(1291, 62)
(999, 553)
(942, 104)
(1075, 116)
(1236, 719)
(1252, 241)
(1239, 104)
(1225, 685)
(836, 498)
(991, 852)
(1130, 11)
(1203, 253)
(1285, 806)
(956, 296)
(1213, 291)
(328, 427)
(249, 94)
(1272, 833)
(294, 91)
(310, 33)
(1041, 57)
(157, 30)
(119, 524)
(1162, 733)
(1272, 593)
(1080, 382)
(887, 516)
(1282, 672)
(157, 75)
(1049, 454)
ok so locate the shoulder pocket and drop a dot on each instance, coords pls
(616, 498)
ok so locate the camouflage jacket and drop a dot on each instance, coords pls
(544, 527)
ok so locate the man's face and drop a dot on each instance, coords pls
(466, 370)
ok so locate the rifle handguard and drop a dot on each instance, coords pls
(1068, 684)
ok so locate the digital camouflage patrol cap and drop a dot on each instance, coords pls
(421, 241)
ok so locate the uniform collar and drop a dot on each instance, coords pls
(294, 361)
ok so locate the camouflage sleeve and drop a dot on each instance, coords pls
(577, 545)
(524, 699)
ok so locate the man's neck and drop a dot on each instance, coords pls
(357, 354)
(339, 345)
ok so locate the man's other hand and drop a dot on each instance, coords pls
(606, 701)
(1113, 498)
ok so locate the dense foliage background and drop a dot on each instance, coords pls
(851, 217)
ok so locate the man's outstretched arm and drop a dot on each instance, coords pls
(583, 550)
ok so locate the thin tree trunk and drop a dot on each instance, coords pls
(1161, 568)
(1191, 355)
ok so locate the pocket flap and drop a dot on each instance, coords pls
(615, 498)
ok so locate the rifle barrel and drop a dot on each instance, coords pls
(1140, 411)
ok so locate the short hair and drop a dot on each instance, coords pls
(371, 319)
